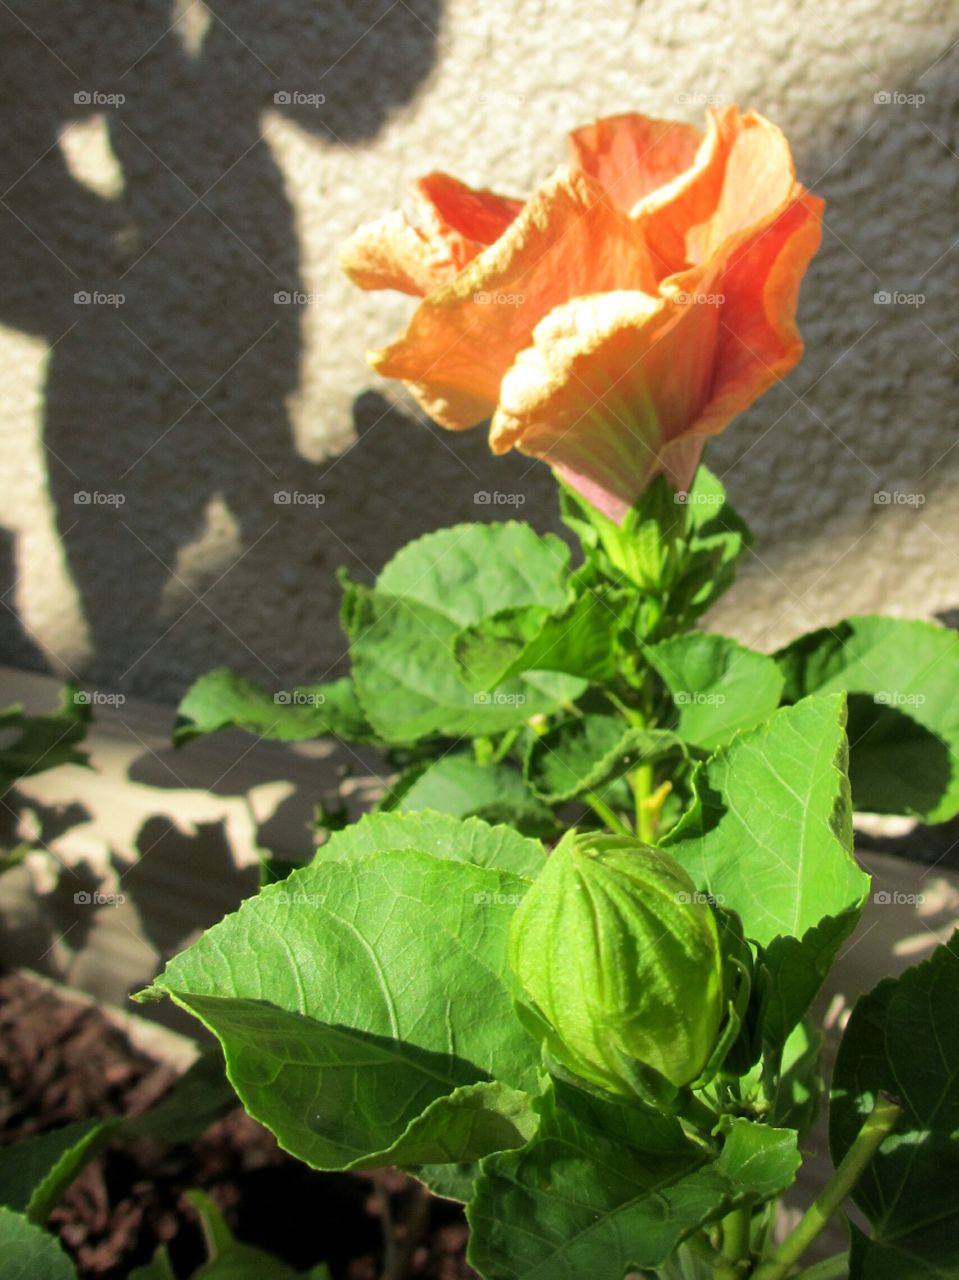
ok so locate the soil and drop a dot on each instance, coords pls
(62, 1062)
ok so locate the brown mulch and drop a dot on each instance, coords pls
(62, 1062)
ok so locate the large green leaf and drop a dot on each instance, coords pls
(222, 700)
(903, 678)
(604, 1188)
(903, 1039)
(440, 835)
(459, 785)
(718, 687)
(27, 1252)
(471, 571)
(770, 837)
(35, 1173)
(402, 633)
(355, 994)
(587, 752)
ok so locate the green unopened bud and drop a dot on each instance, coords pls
(621, 957)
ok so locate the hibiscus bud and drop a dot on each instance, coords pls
(620, 957)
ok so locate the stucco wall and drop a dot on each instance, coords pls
(201, 195)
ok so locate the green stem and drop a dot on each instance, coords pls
(879, 1123)
(736, 1233)
(642, 780)
(602, 810)
(834, 1268)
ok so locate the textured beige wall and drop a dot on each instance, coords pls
(200, 196)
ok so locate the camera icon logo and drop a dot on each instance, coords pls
(882, 98)
(482, 699)
(82, 498)
(282, 98)
(83, 97)
(882, 498)
(483, 498)
(82, 898)
(282, 699)
(82, 698)
(82, 298)
(883, 298)
(282, 498)
(282, 298)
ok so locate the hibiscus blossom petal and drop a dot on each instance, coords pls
(609, 383)
(444, 225)
(633, 155)
(570, 239)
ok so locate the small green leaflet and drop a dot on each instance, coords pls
(718, 687)
(458, 785)
(584, 753)
(35, 1173)
(27, 1252)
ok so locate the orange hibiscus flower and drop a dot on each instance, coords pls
(640, 299)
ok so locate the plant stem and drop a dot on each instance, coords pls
(642, 780)
(879, 1123)
(736, 1233)
(834, 1268)
(602, 810)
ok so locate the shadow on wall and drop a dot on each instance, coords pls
(171, 359)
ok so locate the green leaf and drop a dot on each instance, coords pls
(441, 836)
(402, 634)
(222, 700)
(603, 1188)
(770, 837)
(718, 687)
(353, 995)
(903, 1039)
(457, 785)
(43, 742)
(471, 571)
(586, 752)
(158, 1268)
(35, 1173)
(27, 1252)
(716, 538)
(580, 640)
(903, 678)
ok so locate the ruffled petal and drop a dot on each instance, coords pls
(607, 386)
(759, 340)
(570, 239)
(444, 225)
(633, 155)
